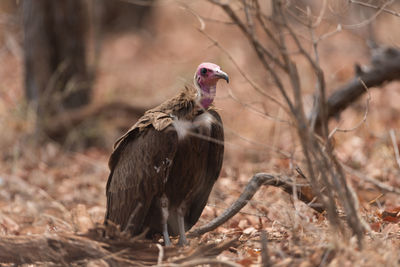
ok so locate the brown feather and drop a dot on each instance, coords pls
(149, 161)
(213, 168)
(133, 180)
(182, 106)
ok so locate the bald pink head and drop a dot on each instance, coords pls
(205, 79)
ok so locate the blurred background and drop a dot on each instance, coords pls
(76, 74)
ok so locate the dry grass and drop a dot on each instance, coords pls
(47, 189)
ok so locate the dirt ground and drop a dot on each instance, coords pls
(51, 188)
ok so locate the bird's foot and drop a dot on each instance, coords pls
(165, 214)
(182, 241)
(181, 225)
(167, 240)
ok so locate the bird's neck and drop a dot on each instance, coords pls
(205, 94)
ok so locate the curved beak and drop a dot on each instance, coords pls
(222, 75)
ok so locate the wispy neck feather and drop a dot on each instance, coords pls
(205, 94)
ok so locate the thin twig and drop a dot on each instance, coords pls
(251, 108)
(364, 119)
(267, 31)
(266, 262)
(395, 147)
(329, 34)
(249, 19)
(382, 186)
(259, 215)
(369, 20)
(394, 13)
(260, 146)
(321, 14)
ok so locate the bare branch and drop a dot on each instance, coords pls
(324, 170)
(385, 68)
(258, 180)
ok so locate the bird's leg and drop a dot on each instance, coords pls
(181, 225)
(164, 213)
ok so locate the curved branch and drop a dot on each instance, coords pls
(303, 193)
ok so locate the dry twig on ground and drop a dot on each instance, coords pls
(68, 248)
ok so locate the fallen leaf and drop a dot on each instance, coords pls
(246, 261)
(376, 226)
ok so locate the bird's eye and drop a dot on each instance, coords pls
(203, 71)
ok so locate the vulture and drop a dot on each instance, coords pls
(163, 168)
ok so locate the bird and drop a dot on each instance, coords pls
(162, 170)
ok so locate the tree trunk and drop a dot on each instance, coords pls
(56, 74)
